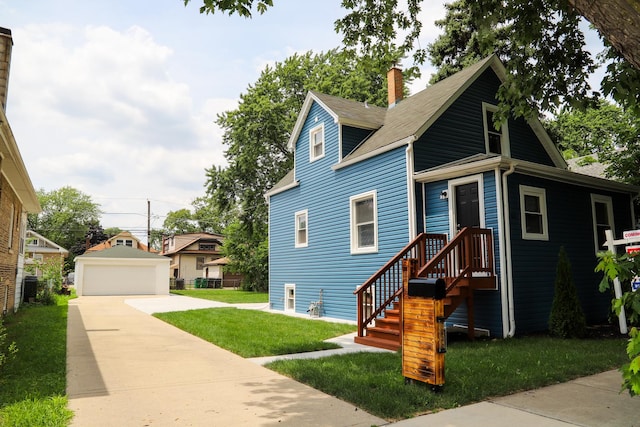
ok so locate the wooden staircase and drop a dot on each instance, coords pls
(379, 299)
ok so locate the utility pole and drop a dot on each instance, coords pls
(148, 225)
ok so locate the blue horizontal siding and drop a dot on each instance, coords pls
(352, 137)
(534, 262)
(459, 132)
(326, 264)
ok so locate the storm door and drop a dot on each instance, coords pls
(467, 212)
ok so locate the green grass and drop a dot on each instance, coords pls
(32, 385)
(230, 296)
(474, 371)
(251, 333)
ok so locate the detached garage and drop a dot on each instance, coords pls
(121, 270)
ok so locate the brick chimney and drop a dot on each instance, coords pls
(394, 85)
(6, 43)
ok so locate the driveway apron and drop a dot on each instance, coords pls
(127, 368)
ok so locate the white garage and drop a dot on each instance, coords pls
(121, 270)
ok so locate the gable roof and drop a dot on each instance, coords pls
(122, 235)
(343, 111)
(51, 245)
(192, 238)
(121, 251)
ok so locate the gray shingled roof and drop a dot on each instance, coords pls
(121, 251)
(348, 111)
(288, 179)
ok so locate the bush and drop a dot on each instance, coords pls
(567, 319)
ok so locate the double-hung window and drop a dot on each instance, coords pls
(533, 213)
(495, 139)
(302, 229)
(602, 213)
(316, 142)
(364, 223)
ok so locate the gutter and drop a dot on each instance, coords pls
(506, 272)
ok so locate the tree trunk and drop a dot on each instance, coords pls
(618, 21)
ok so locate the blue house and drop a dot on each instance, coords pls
(431, 178)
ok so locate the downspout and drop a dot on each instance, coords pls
(411, 195)
(506, 272)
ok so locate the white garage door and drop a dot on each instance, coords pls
(111, 280)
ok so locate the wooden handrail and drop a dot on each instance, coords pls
(469, 253)
(385, 285)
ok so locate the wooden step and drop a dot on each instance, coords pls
(392, 313)
(384, 333)
(379, 343)
(388, 323)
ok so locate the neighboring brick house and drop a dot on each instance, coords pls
(17, 195)
(39, 249)
(189, 253)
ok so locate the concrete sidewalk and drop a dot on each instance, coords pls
(127, 368)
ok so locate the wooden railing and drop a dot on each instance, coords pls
(469, 254)
(383, 287)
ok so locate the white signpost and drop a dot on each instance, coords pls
(628, 237)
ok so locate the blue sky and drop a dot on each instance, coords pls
(118, 98)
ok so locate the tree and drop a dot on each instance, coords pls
(547, 61)
(606, 131)
(179, 222)
(256, 134)
(566, 319)
(66, 217)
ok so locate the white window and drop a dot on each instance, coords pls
(124, 242)
(496, 141)
(602, 213)
(289, 297)
(533, 213)
(12, 214)
(316, 142)
(302, 229)
(364, 223)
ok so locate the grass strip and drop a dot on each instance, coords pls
(251, 333)
(32, 385)
(230, 296)
(474, 371)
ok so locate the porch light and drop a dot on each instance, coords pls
(444, 195)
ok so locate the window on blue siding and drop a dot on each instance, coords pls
(496, 140)
(316, 143)
(302, 229)
(533, 213)
(602, 213)
(289, 297)
(364, 223)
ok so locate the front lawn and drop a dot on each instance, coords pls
(252, 333)
(230, 296)
(32, 385)
(474, 371)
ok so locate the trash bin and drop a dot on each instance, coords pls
(180, 284)
(30, 289)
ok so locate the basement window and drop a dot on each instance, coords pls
(290, 297)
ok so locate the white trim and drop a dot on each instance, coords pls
(375, 152)
(453, 229)
(306, 230)
(505, 146)
(599, 198)
(287, 287)
(541, 194)
(313, 131)
(281, 189)
(353, 226)
(411, 195)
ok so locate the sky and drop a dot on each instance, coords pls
(118, 98)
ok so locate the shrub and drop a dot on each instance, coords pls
(6, 351)
(567, 319)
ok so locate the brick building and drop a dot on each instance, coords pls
(17, 195)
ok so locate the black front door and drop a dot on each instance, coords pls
(467, 206)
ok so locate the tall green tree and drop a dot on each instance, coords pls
(67, 214)
(547, 59)
(180, 222)
(257, 132)
(604, 130)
